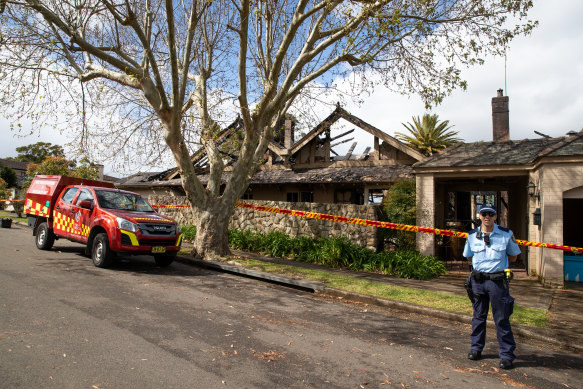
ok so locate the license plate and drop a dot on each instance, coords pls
(158, 249)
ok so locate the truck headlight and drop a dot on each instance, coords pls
(126, 224)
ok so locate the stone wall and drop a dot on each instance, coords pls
(265, 222)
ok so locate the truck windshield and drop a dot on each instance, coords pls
(124, 201)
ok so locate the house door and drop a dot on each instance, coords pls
(572, 236)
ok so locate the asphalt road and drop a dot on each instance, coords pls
(66, 324)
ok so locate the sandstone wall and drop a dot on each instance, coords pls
(265, 222)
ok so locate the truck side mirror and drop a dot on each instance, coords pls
(87, 204)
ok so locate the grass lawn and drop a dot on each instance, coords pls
(447, 301)
(11, 215)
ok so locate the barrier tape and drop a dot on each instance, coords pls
(11, 200)
(380, 224)
(171, 206)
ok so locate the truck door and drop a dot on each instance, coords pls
(62, 217)
(81, 217)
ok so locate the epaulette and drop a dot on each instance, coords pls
(503, 229)
(473, 231)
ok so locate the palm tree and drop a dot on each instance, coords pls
(428, 135)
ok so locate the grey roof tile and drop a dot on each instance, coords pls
(513, 152)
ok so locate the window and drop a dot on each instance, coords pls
(376, 196)
(307, 197)
(84, 195)
(248, 195)
(355, 196)
(69, 195)
(123, 201)
(292, 197)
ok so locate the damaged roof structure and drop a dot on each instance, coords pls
(308, 169)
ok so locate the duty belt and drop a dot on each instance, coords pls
(481, 277)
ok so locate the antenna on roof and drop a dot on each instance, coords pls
(505, 87)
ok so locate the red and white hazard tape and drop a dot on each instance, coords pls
(380, 224)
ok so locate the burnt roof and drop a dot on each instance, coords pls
(335, 175)
(512, 152)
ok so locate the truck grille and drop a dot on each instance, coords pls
(157, 242)
(161, 230)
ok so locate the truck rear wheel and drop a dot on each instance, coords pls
(101, 254)
(164, 260)
(45, 238)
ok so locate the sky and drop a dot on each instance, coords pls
(542, 76)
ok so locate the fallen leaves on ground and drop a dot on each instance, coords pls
(268, 355)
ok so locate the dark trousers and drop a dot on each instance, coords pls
(496, 293)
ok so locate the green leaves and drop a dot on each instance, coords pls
(338, 252)
(37, 152)
(57, 165)
(428, 135)
(399, 205)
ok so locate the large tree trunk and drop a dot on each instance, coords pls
(212, 223)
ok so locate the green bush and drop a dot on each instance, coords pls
(399, 205)
(189, 232)
(338, 252)
(277, 244)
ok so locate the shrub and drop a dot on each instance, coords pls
(189, 232)
(277, 244)
(333, 252)
(399, 205)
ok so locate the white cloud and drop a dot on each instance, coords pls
(544, 82)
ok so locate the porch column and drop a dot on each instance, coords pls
(425, 186)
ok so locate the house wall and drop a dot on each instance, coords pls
(278, 192)
(265, 222)
(388, 152)
(323, 193)
(552, 180)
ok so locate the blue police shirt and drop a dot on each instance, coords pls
(492, 258)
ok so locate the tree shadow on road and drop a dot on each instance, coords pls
(554, 361)
(75, 259)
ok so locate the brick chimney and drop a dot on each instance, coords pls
(99, 171)
(288, 138)
(500, 118)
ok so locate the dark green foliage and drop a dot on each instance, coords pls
(338, 252)
(428, 135)
(188, 232)
(38, 152)
(400, 207)
(410, 264)
(8, 175)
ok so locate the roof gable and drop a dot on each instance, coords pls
(341, 113)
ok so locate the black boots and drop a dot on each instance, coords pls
(474, 355)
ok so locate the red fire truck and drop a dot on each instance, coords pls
(107, 220)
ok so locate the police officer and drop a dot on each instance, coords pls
(491, 247)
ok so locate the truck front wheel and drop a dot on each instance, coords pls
(101, 254)
(45, 238)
